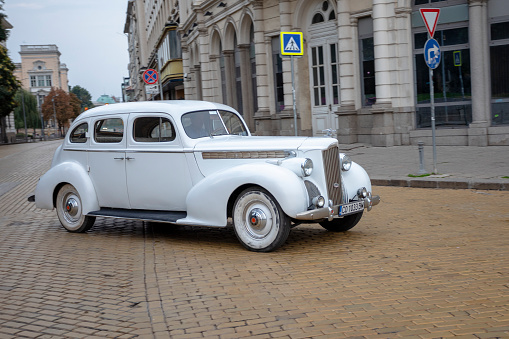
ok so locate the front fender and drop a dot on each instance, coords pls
(66, 172)
(354, 179)
(208, 200)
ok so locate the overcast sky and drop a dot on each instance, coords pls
(88, 33)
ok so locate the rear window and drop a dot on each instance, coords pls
(79, 133)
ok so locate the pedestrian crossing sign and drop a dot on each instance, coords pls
(292, 43)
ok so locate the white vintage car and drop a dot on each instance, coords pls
(196, 163)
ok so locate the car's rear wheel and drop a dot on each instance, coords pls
(342, 224)
(259, 222)
(69, 210)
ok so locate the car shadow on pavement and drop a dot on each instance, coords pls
(310, 237)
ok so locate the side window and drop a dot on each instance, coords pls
(153, 129)
(109, 130)
(78, 134)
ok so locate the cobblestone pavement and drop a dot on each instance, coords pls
(425, 263)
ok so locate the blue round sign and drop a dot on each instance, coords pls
(432, 53)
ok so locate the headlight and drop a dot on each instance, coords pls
(346, 162)
(307, 167)
(303, 167)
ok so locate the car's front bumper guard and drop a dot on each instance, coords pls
(331, 212)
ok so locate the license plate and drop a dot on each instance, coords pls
(350, 208)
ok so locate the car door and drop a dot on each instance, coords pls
(157, 173)
(107, 160)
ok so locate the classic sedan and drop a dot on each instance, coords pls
(196, 163)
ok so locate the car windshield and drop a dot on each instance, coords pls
(211, 123)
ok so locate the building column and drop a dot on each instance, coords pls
(382, 42)
(382, 133)
(346, 55)
(479, 61)
(247, 87)
(285, 18)
(186, 68)
(196, 73)
(347, 112)
(206, 65)
(262, 76)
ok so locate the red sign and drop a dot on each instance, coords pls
(430, 17)
(150, 76)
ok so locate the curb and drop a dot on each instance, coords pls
(460, 184)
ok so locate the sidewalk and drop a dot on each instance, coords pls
(458, 167)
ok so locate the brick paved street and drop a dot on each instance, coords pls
(425, 263)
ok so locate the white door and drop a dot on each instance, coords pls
(157, 172)
(324, 77)
(107, 160)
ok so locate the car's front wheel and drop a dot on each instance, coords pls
(69, 210)
(342, 224)
(259, 222)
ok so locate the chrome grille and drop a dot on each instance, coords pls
(332, 174)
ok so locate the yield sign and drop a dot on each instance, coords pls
(150, 76)
(430, 17)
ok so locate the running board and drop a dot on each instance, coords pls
(147, 215)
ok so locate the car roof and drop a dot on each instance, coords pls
(175, 107)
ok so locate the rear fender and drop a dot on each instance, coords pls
(67, 172)
(207, 201)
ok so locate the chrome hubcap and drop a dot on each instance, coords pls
(257, 219)
(72, 207)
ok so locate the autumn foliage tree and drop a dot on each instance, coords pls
(62, 105)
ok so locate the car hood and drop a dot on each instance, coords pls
(251, 143)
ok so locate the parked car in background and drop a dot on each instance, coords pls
(196, 163)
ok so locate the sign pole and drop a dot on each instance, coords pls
(430, 18)
(292, 45)
(432, 98)
(293, 96)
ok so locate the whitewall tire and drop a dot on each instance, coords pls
(69, 210)
(259, 222)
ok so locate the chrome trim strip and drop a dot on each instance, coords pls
(125, 151)
(245, 155)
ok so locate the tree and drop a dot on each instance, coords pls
(61, 105)
(84, 96)
(8, 82)
(3, 31)
(76, 104)
(29, 101)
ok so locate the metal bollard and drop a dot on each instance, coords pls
(421, 158)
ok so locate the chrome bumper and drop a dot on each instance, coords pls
(331, 212)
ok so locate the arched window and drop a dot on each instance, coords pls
(317, 18)
(326, 11)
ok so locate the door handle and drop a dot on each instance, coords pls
(118, 158)
(129, 158)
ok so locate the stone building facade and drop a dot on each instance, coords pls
(363, 72)
(40, 69)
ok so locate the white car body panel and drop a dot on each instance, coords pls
(207, 200)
